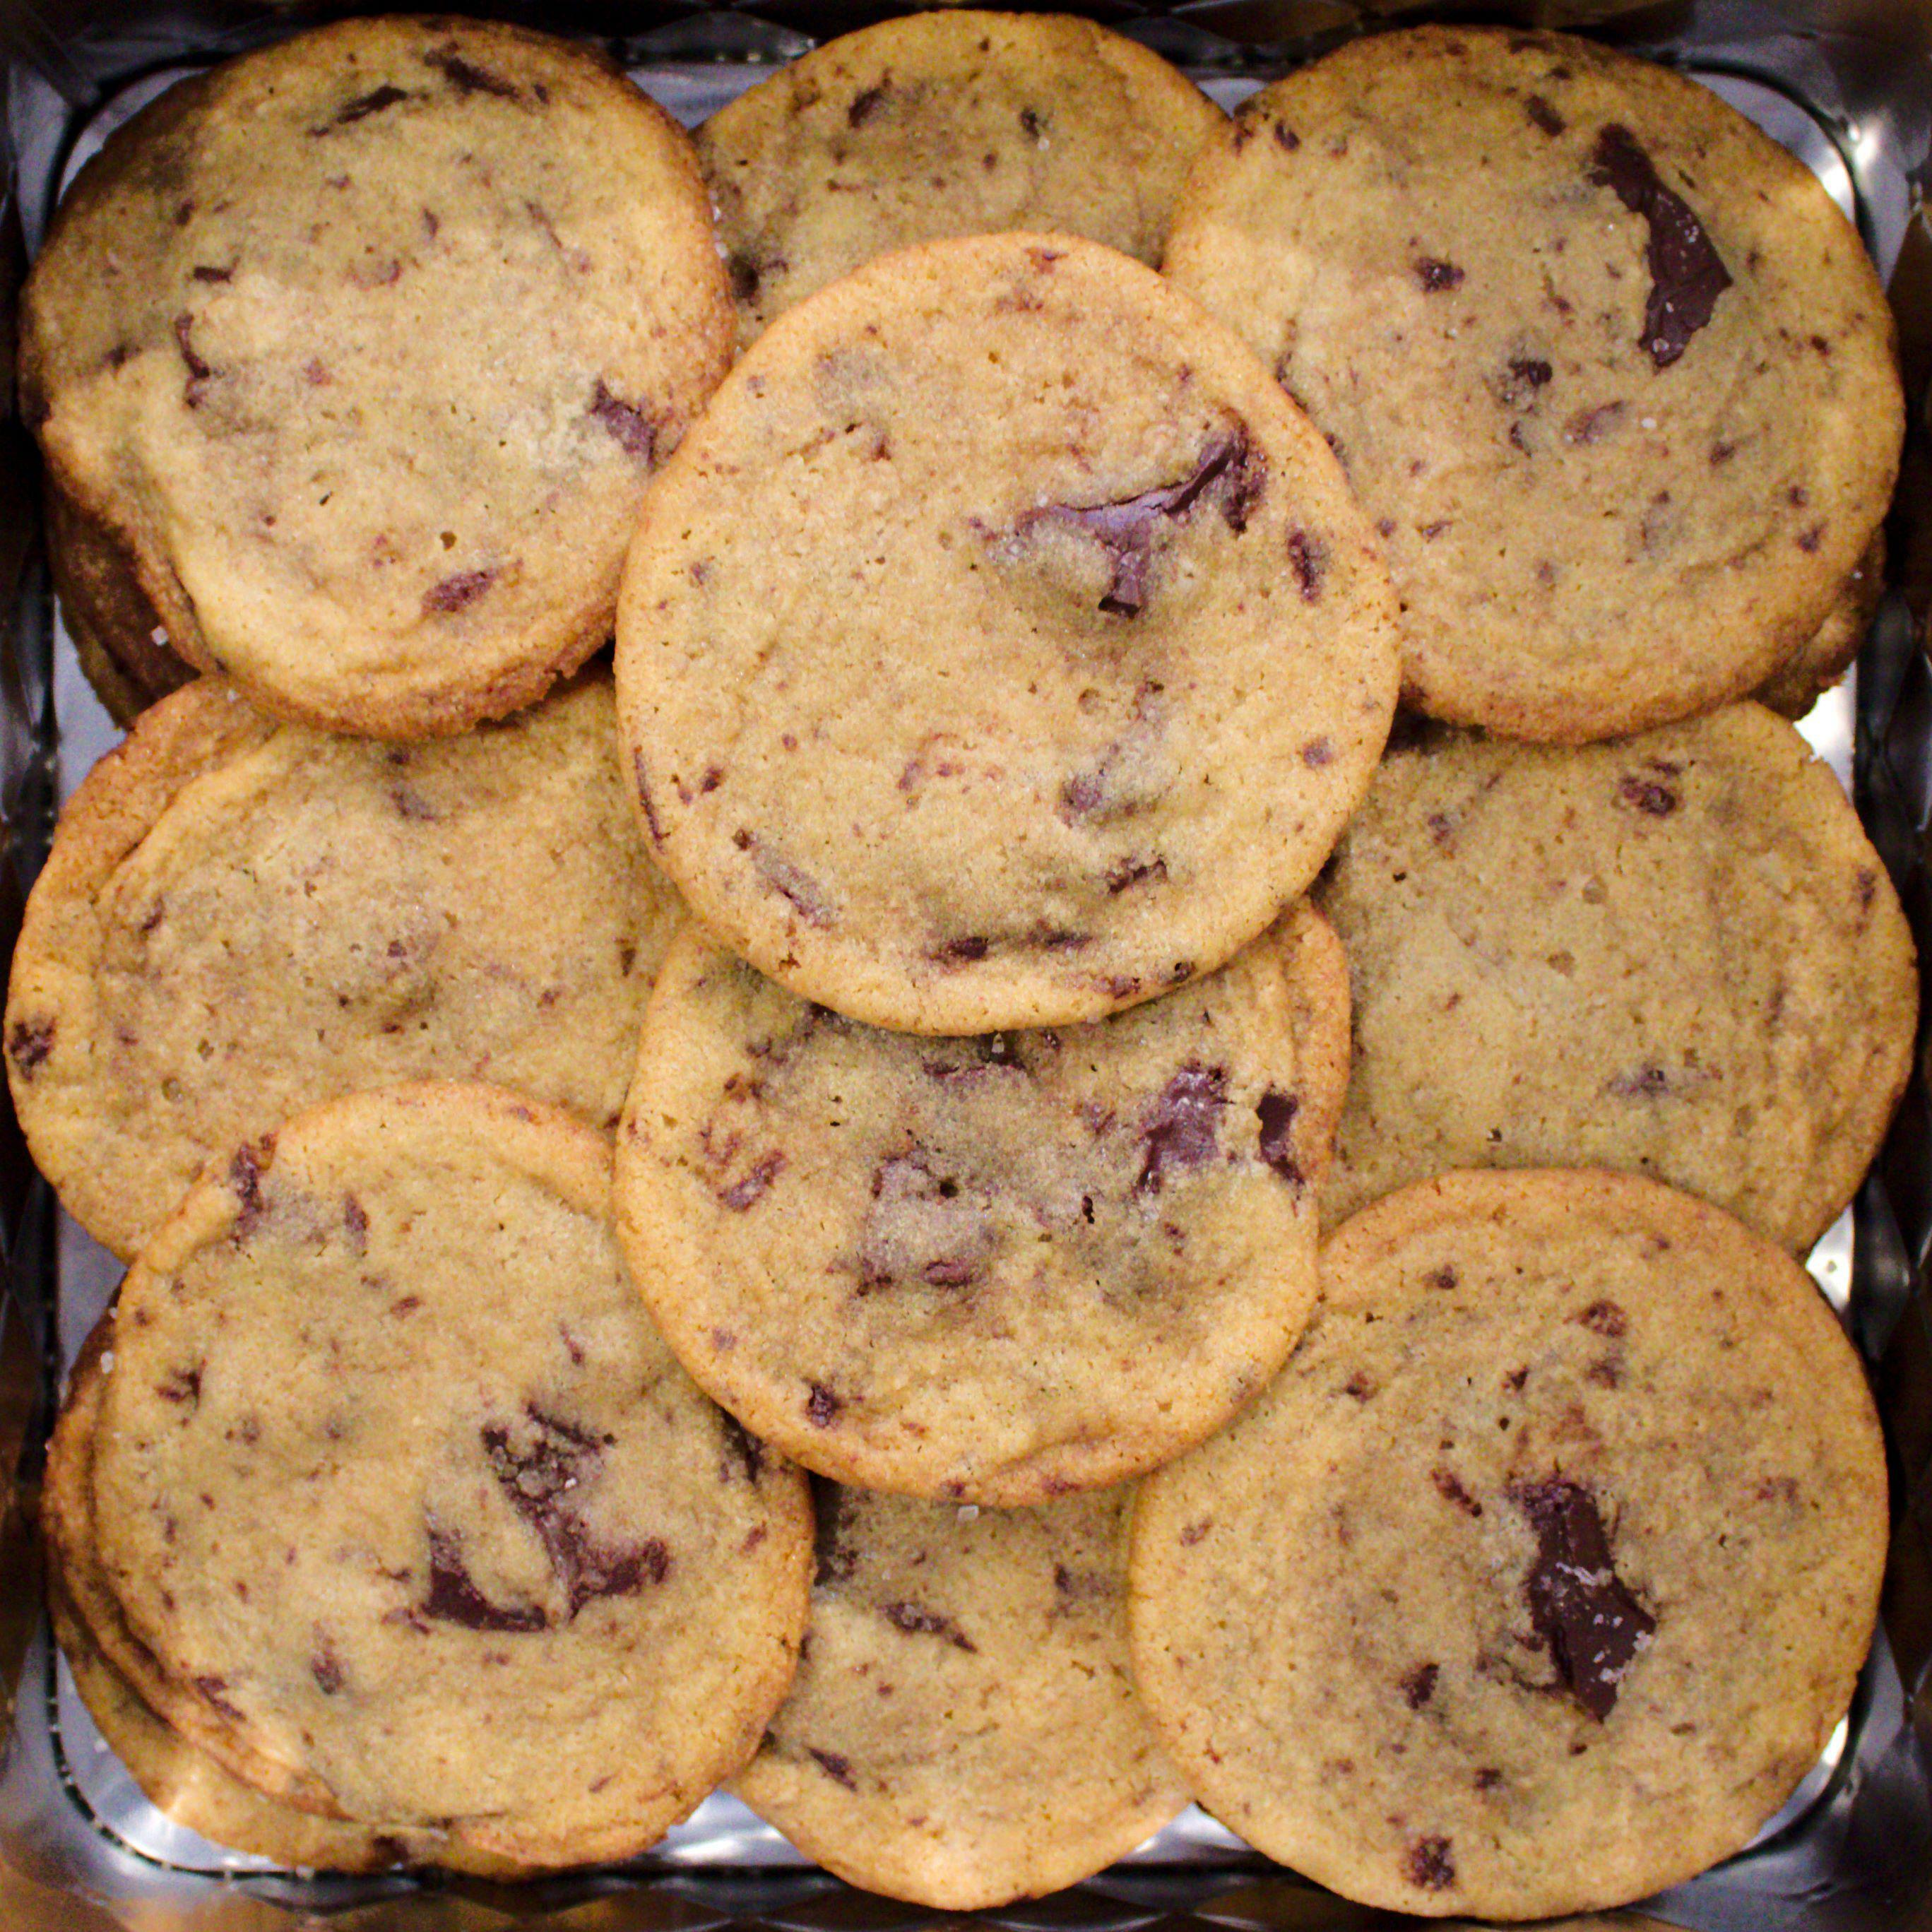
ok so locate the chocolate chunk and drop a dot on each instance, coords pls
(1308, 558)
(1810, 539)
(797, 887)
(1686, 276)
(1286, 138)
(454, 1598)
(822, 1406)
(1316, 753)
(184, 1387)
(1591, 426)
(865, 105)
(837, 1768)
(962, 952)
(1030, 123)
(745, 1453)
(1647, 795)
(1449, 1486)
(636, 433)
(466, 77)
(199, 373)
(1360, 1385)
(1430, 1865)
(365, 105)
(326, 1667)
(206, 275)
(1132, 871)
(744, 1194)
(1545, 116)
(1519, 384)
(211, 1689)
(28, 1045)
(1181, 1129)
(355, 1219)
(1488, 1779)
(1590, 1623)
(1275, 1111)
(1443, 1277)
(457, 592)
(1229, 473)
(244, 1177)
(1606, 1318)
(1436, 276)
(644, 798)
(916, 1622)
(1419, 1686)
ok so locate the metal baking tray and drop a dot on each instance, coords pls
(1848, 88)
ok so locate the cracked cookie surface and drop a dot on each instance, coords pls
(1539, 1578)
(1678, 955)
(393, 1474)
(1002, 648)
(240, 919)
(946, 123)
(1610, 371)
(963, 1728)
(992, 1269)
(364, 347)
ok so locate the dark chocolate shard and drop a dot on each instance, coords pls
(183, 1387)
(1686, 275)
(791, 883)
(746, 1193)
(636, 433)
(213, 1690)
(916, 1622)
(28, 1045)
(1430, 1865)
(1275, 1111)
(1230, 473)
(245, 1176)
(1182, 1128)
(1647, 795)
(1589, 1622)
(1308, 558)
(1517, 386)
(1544, 115)
(457, 592)
(364, 105)
(466, 77)
(326, 1667)
(1437, 277)
(454, 1598)
(1418, 1686)
(966, 950)
(836, 1768)
(822, 1406)
(866, 104)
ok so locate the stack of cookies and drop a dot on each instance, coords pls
(808, 1210)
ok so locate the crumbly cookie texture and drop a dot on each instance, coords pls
(1607, 366)
(992, 1269)
(1540, 1577)
(240, 919)
(963, 1728)
(1002, 648)
(442, 1504)
(1678, 955)
(363, 347)
(946, 123)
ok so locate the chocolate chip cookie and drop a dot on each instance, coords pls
(992, 1269)
(1540, 1577)
(1002, 648)
(363, 347)
(946, 123)
(393, 1474)
(963, 1728)
(1611, 372)
(241, 919)
(1678, 955)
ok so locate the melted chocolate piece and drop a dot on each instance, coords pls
(28, 1044)
(1228, 471)
(1437, 276)
(184, 1387)
(1181, 1130)
(744, 1194)
(1544, 115)
(454, 1598)
(466, 77)
(1308, 558)
(636, 433)
(916, 1622)
(1525, 376)
(822, 1406)
(244, 1177)
(1449, 1487)
(1275, 1111)
(457, 592)
(365, 105)
(1606, 1318)
(837, 1768)
(211, 1689)
(326, 1667)
(797, 887)
(865, 105)
(1589, 1622)
(1687, 275)
(1647, 795)
(1431, 1864)
(1419, 1686)
(1132, 871)
(963, 951)
(644, 799)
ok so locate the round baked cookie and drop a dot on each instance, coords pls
(992, 1269)
(1678, 955)
(363, 347)
(1003, 647)
(116, 631)
(963, 1730)
(442, 1506)
(241, 919)
(946, 123)
(1609, 369)
(1802, 680)
(1540, 1577)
